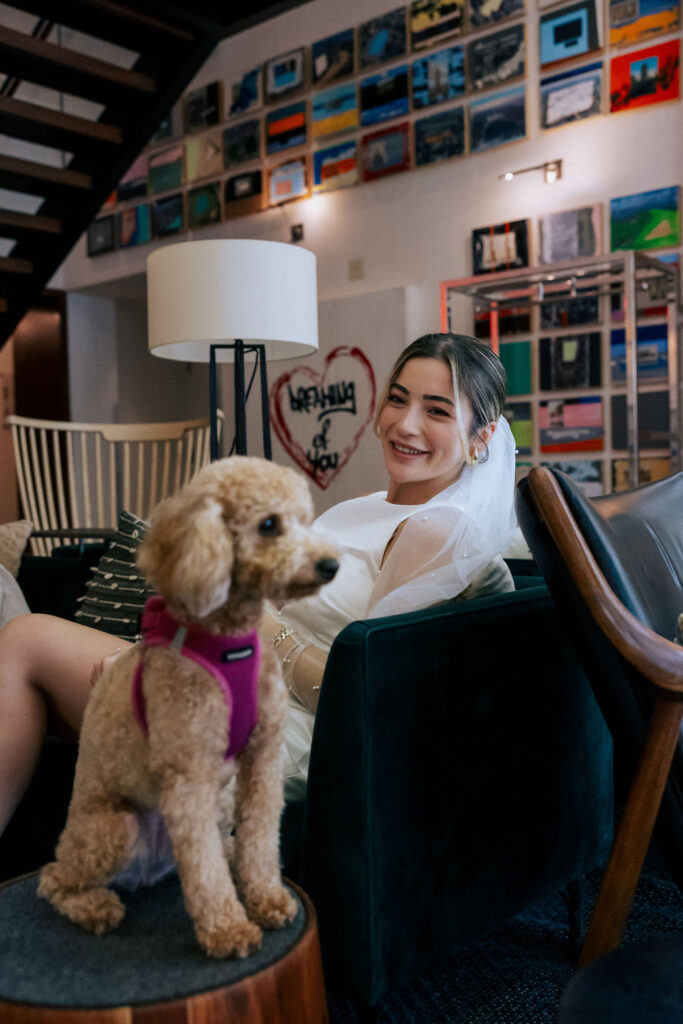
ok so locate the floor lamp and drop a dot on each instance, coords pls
(231, 301)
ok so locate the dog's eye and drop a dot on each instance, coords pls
(269, 527)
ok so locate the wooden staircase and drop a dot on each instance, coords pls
(89, 156)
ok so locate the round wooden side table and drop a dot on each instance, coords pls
(151, 970)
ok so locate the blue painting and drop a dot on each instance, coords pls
(440, 136)
(651, 354)
(384, 96)
(382, 39)
(498, 119)
(568, 32)
(439, 77)
(334, 57)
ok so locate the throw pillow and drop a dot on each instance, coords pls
(116, 593)
(13, 538)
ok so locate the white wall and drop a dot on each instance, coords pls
(414, 229)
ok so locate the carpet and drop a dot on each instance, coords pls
(518, 973)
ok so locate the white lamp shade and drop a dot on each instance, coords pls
(220, 290)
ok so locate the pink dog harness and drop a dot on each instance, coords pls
(232, 660)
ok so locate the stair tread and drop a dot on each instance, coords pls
(29, 169)
(12, 265)
(114, 22)
(10, 219)
(44, 63)
(61, 123)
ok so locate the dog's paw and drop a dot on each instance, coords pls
(271, 908)
(98, 910)
(234, 939)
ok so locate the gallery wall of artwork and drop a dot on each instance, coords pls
(413, 228)
(418, 85)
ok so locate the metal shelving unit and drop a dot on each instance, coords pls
(627, 273)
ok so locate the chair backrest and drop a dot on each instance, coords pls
(81, 475)
(636, 538)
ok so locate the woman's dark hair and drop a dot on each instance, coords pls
(477, 373)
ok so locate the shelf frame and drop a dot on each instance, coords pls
(627, 271)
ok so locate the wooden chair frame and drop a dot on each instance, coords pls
(80, 475)
(660, 661)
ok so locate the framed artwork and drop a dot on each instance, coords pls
(202, 108)
(335, 110)
(516, 358)
(439, 136)
(571, 424)
(245, 94)
(168, 215)
(511, 320)
(286, 127)
(518, 415)
(383, 38)
(496, 58)
(500, 247)
(646, 220)
(645, 77)
(570, 361)
(133, 226)
(649, 470)
(384, 96)
(101, 236)
(654, 425)
(439, 77)
(570, 235)
(203, 156)
(652, 354)
(585, 473)
(432, 21)
(385, 152)
(482, 13)
(243, 194)
(498, 119)
(630, 22)
(288, 181)
(568, 32)
(334, 57)
(335, 167)
(571, 96)
(165, 169)
(134, 182)
(242, 143)
(170, 128)
(570, 311)
(284, 75)
(204, 205)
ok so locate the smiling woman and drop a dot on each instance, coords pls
(436, 533)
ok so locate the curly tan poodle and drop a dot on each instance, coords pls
(163, 728)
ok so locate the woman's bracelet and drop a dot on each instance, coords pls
(282, 635)
(288, 656)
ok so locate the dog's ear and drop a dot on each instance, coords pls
(188, 554)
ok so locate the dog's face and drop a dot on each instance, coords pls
(239, 531)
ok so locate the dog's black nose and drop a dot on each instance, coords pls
(326, 568)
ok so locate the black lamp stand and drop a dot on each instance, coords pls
(241, 395)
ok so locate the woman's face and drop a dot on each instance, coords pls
(419, 432)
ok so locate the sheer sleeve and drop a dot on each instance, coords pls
(436, 555)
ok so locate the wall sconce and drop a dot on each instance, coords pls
(552, 170)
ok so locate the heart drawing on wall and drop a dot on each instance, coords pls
(319, 418)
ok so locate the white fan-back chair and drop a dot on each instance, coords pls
(79, 476)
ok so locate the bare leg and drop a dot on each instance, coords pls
(46, 665)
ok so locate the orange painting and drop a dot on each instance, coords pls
(632, 21)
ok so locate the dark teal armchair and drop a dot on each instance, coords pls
(460, 769)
